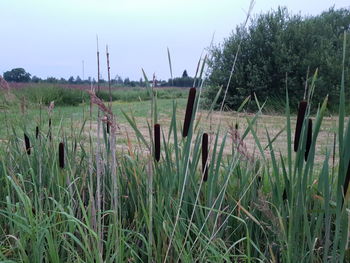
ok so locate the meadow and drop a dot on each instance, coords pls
(154, 177)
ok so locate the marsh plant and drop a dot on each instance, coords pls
(175, 195)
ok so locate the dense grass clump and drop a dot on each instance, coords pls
(44, 94)
(137, 94)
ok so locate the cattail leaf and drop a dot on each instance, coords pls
(189, 111)
(308, 139)
(61, 154)
(157, 142)
(299, 124)
(205, 157)
(27, 143)
(170, 67)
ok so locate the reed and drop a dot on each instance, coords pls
(189, 111)
(205, 156)
(299, 124)
(36, 132)
(157, 142)
(27, 143)
(308, 139)
(61, 155)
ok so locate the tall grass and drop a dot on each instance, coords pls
(174, 198)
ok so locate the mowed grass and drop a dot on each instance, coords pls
(74, 116)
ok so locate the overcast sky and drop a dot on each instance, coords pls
(52, 38)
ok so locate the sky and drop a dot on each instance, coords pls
(53, 38)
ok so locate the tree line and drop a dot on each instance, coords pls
(278, 49)
(20, 75)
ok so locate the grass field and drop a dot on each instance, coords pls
(87, 195)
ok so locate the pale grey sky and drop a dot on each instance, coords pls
(52, 37)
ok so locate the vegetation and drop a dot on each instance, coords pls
(278, 46)
(74, 197)
(176, 191)
(62, 96)
(20, 75)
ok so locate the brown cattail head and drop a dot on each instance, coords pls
(189, 110)
(61, 154)
(299, 125)
(36, 132)
(157, 142)
(107, 127)
(308, 139)
(49, 135)
(27, 143)
(346, 182)
(205, 156)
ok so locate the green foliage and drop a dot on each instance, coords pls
(136, 94)
(17, 75)
(45, 93)
(279, 46)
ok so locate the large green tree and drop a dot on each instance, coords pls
(17, 75)
(278, 44)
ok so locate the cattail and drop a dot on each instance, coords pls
(299, 125)
(189, 110)
(107, 127)
(205, 156)
(49, 135)
(157, 142)
(27, 143)
(36, 132)
(308, 139)
(284, 195)
(61, 154)
(346, 182)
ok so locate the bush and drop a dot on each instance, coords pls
(277, 44)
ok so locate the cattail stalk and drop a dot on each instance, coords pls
(308, 139)
(109, 79)
(205, 156)
(27, 143)
(61, 154)
(189, 111)
(299, 125)
(157, 142)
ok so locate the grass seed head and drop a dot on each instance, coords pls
(189, 110)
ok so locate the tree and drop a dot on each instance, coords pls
(277, 44)
(78, 80)
(51, 80)
(184, 74)
(36, 79)
(71, 80)
(17, 75)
